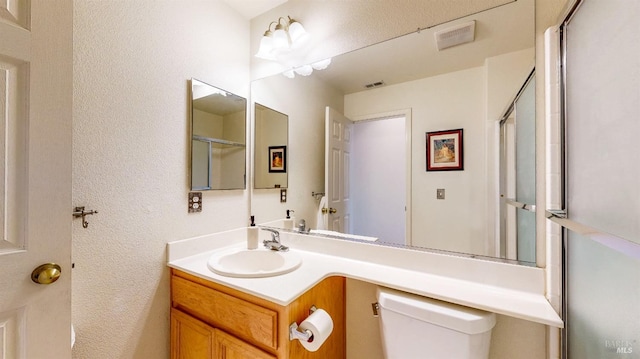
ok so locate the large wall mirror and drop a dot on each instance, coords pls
(218, 138)
(468, 86)
(271, 140)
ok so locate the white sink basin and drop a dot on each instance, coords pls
(253, 263)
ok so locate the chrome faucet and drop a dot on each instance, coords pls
(274, 244)
(302, 227)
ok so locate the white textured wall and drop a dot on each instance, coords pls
(132, 63)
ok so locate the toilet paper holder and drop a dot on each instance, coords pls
(307, 335)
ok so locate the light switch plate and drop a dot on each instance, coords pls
(440, 193)
(195, 202)
(283, 195)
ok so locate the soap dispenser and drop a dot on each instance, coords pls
(252, 235)
(289, 220)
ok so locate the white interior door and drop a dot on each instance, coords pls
(379, 178)
(338, 132)
(36, 92)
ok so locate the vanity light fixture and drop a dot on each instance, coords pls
(306, 70)
(280, 43)
(288, 34)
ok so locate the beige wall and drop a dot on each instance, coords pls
(132, 63)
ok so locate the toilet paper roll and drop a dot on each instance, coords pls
(321, 325)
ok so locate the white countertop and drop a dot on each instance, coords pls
(507, 289)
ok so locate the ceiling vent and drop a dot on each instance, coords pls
(456, 35)
(374, 84)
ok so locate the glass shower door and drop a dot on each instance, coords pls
(603, 293)
(517, 177)
(525, 113)
(601, 77)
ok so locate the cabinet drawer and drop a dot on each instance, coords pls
(245, 320)
(228, 347)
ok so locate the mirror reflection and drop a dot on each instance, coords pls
(218, 149)
(271, 140)
(407, 79)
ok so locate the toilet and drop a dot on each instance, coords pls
(415, 327)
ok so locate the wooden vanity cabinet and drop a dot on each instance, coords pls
(209, 320)
(193, 339)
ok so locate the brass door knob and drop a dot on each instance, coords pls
(326, 210)
(46, 273)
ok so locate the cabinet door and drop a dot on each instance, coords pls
(190, 338)
(243, 319)
(229, 347)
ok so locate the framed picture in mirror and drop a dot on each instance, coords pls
(445, 151)
(277, 159)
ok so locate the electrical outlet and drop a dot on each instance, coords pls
(195, 202)
(283, 195)
(440, 193)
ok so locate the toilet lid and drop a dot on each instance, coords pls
(448, 315)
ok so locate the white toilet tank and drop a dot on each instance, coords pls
(415, 327)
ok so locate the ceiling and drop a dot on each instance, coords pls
(252, 8)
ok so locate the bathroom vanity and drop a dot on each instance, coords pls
(209, 320)
(252, 315)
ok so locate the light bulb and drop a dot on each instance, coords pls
(280, 38)
(305, 70)
(297, 34)
(265, 51)
(322, 64)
